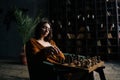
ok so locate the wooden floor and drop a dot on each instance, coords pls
(11, 70)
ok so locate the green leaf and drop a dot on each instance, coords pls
(26, 25)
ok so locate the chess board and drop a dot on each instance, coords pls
(89, 69)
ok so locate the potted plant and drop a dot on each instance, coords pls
(26, 27)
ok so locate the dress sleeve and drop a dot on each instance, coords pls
(33, 47)
(60, 53)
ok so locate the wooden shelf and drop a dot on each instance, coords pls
(93, 23)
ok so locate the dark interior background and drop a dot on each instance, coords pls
(10, 40)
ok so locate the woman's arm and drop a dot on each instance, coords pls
(59, 52)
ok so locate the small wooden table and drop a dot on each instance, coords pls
(67, 68)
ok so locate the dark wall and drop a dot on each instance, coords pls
(10, 40)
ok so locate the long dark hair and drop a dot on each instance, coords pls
(38, 30)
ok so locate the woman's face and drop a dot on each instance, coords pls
(45, 29)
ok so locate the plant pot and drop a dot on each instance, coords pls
(23, 59)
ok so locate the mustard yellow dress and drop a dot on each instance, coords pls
(36, 54)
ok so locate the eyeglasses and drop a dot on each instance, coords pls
(46, 28)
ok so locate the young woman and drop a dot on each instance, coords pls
(42, 48)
